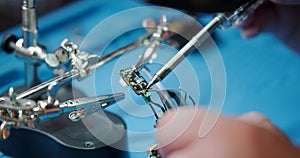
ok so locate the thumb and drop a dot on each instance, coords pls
(257, 119)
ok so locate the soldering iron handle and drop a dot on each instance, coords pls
(198, 39)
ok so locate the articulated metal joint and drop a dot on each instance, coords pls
(78, 59)
(161, 29)
(25, 112)
(156, 37)
(32, 53)
(69, 51)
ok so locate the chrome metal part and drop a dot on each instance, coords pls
(30, 33)
(33, 54)
(25, 112)
(81, 64)
(5, 129)
(29, 23)
(158, 35)
(42, 88)
(153, 151)
(79, 108)
(20, 114)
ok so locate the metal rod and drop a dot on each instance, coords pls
(41, 88)
(30, 32)
(66, 77)
(109, 56)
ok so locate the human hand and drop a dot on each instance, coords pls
(248, 136)
(279, 17)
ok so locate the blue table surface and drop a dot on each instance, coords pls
(261, 73)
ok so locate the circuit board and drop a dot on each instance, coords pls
(135, 80)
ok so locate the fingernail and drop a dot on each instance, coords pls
(245, 34)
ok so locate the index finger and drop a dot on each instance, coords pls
(286, 1)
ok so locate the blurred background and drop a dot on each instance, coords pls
(10, 10)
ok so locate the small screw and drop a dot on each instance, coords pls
(89, 144)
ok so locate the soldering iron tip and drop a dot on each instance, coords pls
(151, 83)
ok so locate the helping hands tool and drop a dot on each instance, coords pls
(25, 112)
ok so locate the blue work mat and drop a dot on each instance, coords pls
(261, 73)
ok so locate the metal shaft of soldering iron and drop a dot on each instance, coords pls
(197, 40)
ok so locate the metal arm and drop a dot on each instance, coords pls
(160, 33)
(82, 65)
(25, 112)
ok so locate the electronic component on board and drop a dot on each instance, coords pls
(135, 80)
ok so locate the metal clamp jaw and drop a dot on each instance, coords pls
(157, 32)
(156, 35)
(25, 112)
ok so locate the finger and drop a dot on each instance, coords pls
(253, 24)
(290, 2)
(251, 31)
(187, 152)
(247, 21)
(178, 128)
(263, 19)
(201, 149)
(254, 118)
(260, 120)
